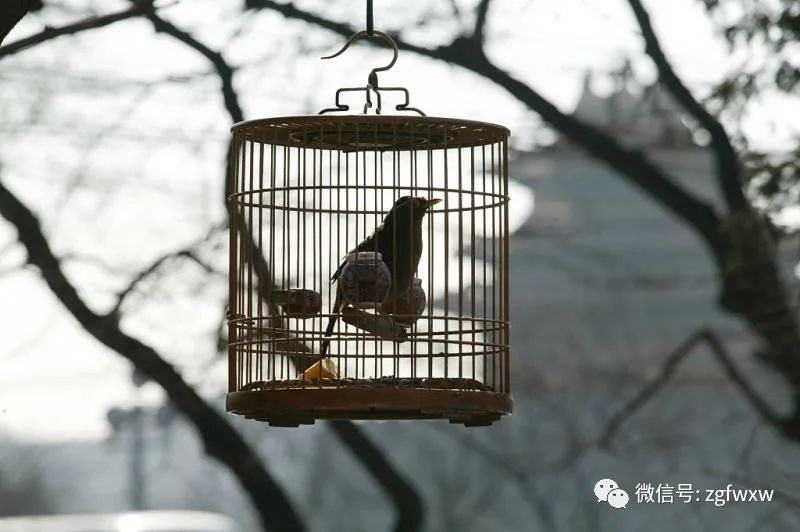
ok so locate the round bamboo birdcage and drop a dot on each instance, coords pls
(368, 266)
(304, 192)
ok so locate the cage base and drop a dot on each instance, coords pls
(303, 406)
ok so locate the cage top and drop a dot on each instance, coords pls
(370, 132)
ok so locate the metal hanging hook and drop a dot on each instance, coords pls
(372, 80)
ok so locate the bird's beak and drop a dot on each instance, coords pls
(431, 202)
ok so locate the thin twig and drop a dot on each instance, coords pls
(724, 358)
(406, 499)
(223, 68)
(729, 170)
(189, 252)
(138, 9)
(668, 368)
(410, 510)
(219, 438)
(498, 459)
(631, 164)
(481, 14)
(12, 11)
(650, 389)
(522, 477)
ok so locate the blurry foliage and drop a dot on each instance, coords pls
(777, 22)
(774, 26)
(774, 181)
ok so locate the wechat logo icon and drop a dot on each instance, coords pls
(606, 490)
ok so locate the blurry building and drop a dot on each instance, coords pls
(645, 117)
(612, 273)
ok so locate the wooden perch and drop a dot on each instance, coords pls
(381, 326)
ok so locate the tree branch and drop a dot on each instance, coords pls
(668, 368)
(138, 9)
(187, 253)
(729, 169)
(639, 170)
(481, 13)
(404, 496)
(632, 165)
(224, 70)
(231, 100)
(220, 439)
(12, 11)
(736, 376)
(498, 458)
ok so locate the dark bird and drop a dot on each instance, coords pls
(399, 241)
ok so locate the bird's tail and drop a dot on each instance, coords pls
(337, 303)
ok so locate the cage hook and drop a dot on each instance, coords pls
(372, 79)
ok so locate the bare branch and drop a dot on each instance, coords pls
(650, 389)
(410, 511)
(631, 164)
(224, 70)
(407, 501)
(669, 366)
(729, 170)
(454, 7)
(481, 13)
(642, 172)
(756, 401)
(220, 439)
(12, 11)
(139, 8)
(187, 253)
(225, 73)
(497, 458)
(523, 477)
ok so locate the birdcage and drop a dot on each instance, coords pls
(398, 333)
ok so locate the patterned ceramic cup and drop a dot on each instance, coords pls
(408, 306)
(365, 280)
(299, 302)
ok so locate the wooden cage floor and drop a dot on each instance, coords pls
(368, 399)
(436, 383)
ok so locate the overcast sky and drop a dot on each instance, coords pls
(56, 382)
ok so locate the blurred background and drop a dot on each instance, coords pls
(654, 260)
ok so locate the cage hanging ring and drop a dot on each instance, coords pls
(373, 75)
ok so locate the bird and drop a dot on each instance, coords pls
(399, 241)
